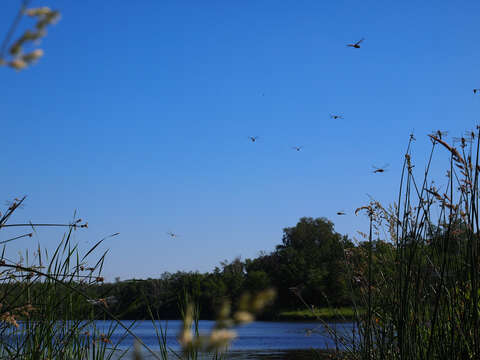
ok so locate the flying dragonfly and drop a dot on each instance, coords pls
(172, 235)
(335, 116)
(439, 134)
(470, 134)
(357, 44)
(462, 140)
(380, 169)
(341, 212)
(253, 138)
(298, 148)
(476, 90)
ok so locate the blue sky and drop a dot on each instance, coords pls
(138, 117)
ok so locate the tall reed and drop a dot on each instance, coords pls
(45, 309)
(419, 281)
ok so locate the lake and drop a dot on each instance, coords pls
(257, 340)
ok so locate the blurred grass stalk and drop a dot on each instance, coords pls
(215, 344)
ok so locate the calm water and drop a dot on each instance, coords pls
(258, 340)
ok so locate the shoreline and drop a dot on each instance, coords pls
(342, 314)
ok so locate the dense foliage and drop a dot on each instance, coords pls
(310, 262)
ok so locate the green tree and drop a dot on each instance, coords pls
(312, 255)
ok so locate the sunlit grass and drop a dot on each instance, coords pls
(324, 313)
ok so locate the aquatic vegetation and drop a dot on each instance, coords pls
(422, 302)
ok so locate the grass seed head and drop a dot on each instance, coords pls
(32, 56)
(264, 298)
(17, 64)
(186, 338)
(220, 339)
(41, 11)
(224, 312)
(243, 317)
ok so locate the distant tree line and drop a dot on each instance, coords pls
(310, 262)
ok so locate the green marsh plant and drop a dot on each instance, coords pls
(45, 308)
(419, 278)
(44, 304)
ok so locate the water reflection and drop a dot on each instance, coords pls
(257, 340)
(259, 335)
(260, 355)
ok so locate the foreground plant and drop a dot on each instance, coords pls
(43, 303)
(21, 53)
(418, 278)
(45, 308)
(223, 333)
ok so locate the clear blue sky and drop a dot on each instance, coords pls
(138, 116)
